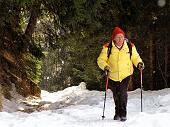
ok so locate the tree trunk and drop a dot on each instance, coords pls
(12, 64)
(166, 60)
(35, 11)
(151, 63)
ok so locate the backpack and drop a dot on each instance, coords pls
(129, 46)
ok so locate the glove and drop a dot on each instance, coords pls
(140, 66)
(106, 70)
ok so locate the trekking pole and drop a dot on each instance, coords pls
(106, 73)
(141, 87)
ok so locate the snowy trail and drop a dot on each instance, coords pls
(82, 108)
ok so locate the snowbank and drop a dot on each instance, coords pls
(78, 107)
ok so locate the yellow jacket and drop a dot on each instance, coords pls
(119, 61)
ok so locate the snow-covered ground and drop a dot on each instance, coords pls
(78, 107)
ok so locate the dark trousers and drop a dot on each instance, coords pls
(120, 95)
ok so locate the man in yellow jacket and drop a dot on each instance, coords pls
(119, 64)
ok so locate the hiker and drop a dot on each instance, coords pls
(117, 58)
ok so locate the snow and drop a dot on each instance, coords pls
(78, 107)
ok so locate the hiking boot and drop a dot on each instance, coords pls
(116, 117)
(123, 118)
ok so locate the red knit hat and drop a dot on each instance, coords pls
(117, 30)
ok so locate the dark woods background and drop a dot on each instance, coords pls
(55, 43)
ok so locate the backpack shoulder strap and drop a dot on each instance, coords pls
(109, 49)
(109, 45)
(130, 44)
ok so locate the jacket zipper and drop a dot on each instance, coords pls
(118, 63)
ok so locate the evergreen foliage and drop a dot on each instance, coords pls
(87, 25)
(72, 33)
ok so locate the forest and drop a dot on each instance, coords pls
(53, 44)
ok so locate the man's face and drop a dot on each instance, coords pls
(119, 38)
